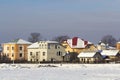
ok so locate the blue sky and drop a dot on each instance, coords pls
(87, 19)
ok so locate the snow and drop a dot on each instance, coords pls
(60, 72)
(52, 42)
(87, 54)
(34, 45)
(19, 41)
(110, 52)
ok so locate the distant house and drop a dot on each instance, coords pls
(103, 46)
(0, 51)
(70, 57)
(45, 51)
(90, 57)
(118, 46)
(111, 55)
(78, 45)
(16, 49)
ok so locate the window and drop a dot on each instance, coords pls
(43, 53)
(7, 48)
(81, 59)
(58, 47)
(20, 48)
(12, 54)
(12, 48)
(43, 59)
(36, 53)
(20, 55)
(45, 46)
(59, 53)
(36, 59)
(7, 54)
(31, 53)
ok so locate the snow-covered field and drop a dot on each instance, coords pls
(64, 72)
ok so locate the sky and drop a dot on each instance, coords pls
(86, 19)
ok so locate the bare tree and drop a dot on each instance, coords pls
(61, 38)
(34, 37)
(109, 39)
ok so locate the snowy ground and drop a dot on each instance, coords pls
(64, 72)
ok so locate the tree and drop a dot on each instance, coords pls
(61, 38)
(34, 37)
(109, 39)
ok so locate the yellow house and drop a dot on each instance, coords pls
(78, 45)
(16, 49)
(118, 45)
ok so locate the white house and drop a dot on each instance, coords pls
(111, 55)
(90, 57)
(45, 51)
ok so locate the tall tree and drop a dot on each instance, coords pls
(109, 39)
(34, 37)
(61, 38)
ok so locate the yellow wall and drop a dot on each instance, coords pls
(118, 46)
(16, 51)
(77, 50)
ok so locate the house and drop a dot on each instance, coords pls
(103, 46)
(16, 49)
(90, 57)
(0, 51)
(111, 55)
(70, 57)
(78, 45)
(45, 51)
(118, 45)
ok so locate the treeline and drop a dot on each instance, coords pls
(107, 39)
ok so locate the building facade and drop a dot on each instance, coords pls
(16, 49)
(45, 51)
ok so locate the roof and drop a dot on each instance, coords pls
(51, 41)
(118, 42)
(87, 54)
(34, 45)
(110, 52)
(19, 41)
(77, 43)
